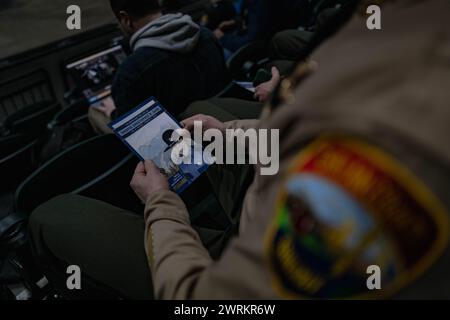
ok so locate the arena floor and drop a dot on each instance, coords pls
(26, 24)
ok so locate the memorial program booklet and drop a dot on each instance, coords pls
(147, 130)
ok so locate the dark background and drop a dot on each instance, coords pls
(27, 24)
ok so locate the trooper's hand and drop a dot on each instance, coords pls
(264, 90)
(147, 180)
(208, 122)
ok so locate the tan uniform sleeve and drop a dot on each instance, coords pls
(181, 266)
(175, 252)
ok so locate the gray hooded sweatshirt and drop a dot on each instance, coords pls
(171, 32)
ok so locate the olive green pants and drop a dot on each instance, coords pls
(225, 109)
(107, 243)
(290, 44)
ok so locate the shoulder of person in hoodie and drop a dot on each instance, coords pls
(144, 58)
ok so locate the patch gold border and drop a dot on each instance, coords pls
(405, 178)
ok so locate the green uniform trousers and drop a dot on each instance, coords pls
(107, 243)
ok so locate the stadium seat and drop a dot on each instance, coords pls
(16, 160)
(32, 119)
(113, 186)
(71, 112)
(76, 167)
(244, 64)
(68, 127)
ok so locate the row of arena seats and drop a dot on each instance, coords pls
(22, 152)
(33, 109)
(38, 162)
(45, 137)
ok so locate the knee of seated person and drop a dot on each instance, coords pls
(278, 40)
(280, 36)
(44, 213)
(195, 108)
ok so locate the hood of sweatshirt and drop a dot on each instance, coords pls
(172, 32)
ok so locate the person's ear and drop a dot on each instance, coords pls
(126, 23)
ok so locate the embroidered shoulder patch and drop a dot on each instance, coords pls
(347, 205)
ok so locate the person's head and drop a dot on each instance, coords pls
(134, 14)
(167, 137)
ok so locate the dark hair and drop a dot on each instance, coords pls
(173, 6)
(135, 8)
